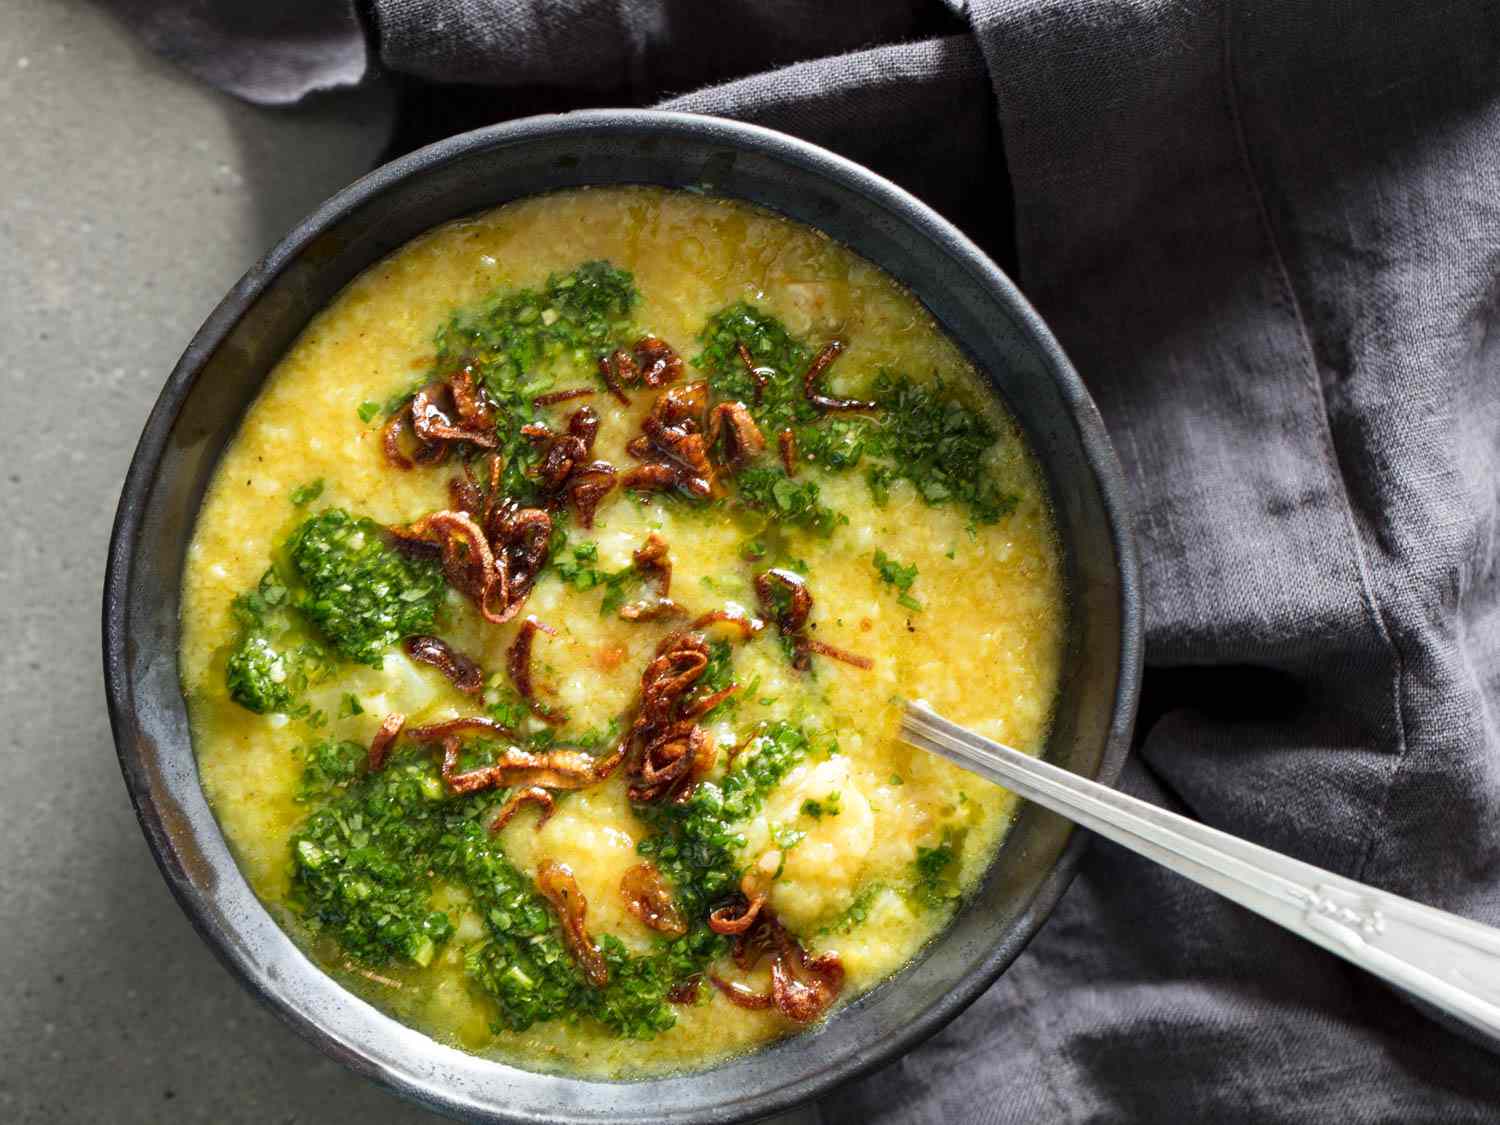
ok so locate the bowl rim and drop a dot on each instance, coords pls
(145, 465)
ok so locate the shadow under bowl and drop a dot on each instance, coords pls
(222, 371)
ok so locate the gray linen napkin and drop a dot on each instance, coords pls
(1269, 236)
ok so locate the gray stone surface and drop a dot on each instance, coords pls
(130, 200)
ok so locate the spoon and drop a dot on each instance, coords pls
(1448, 961)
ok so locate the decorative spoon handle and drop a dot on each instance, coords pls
(1451, 962)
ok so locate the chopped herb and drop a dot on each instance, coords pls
(350, 706)
(892, 573)
(360, 594)
(857, 911)
(367, 411)
(367, 863)
(791, 501)
(818, 809)
(897, 779)
(931, 439)
(328, 767)
(257, 675)
(718, 674)
(783, 359)
(696, 843)
(935, 874)
(775, 351)
(786, 838)
(577, 571)
(306, 493)
(268, 670)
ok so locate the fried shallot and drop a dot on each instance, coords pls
(533, 794)
(653, 562)
(743, 440)
(787, 442)
(556, 883)
(463, 673)
(673, 445)
(519, 666)
(380, 745)
(803, 987)
(783, 594)
(649, 899)
(760, 376)
(821, 362)
(549, 769)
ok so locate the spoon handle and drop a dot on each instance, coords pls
(1451, 962)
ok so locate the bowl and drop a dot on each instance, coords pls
(220, 374)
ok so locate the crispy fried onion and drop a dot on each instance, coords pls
(519, 665)
(380, 745)
(791, 612)
(760, 376)
(820, 364)
(455, 410)
(685, 991)
(668, 752)
(747, 627)
(549, 769)
(672, 444)
(554, 397)
(802, 986)
(649, 899)
(556, 883)
(654, 564)
(743, 441)
(533, 794)
(787, 441)
(567, 472)
(494, 565)
(462, 673)
(740, 915)
(652, 362)
(561, 768)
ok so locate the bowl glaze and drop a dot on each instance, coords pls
(220, 374)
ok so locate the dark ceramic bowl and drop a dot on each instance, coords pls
(221, 372)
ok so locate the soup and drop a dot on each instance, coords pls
(546, 626)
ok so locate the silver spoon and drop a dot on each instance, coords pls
(1451, 962)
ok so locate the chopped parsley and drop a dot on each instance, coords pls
(329, 767)
(306, 493)
(790, 501)
(268, 670)
(931, 439)
(367, 864)
(786, 838)
(717, 675)
(776, 352)
(922, 434)
(575, 568)
(892, 573)
(832, 442)
(367, 411)
(856, 912)
(935, 882)
(360, 594)
(818, 809)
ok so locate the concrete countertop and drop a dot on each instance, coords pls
(131, 198)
